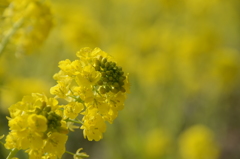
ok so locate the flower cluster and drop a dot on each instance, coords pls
(37, 126)
(30, 21)
(95, 87)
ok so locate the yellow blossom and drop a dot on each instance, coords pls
(72, 109)
(55, 144)
(37, 123)
(34, 24)
(198, 142)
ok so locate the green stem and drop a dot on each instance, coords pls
(12, 153)
(70, 153)
(9, 34)
(74, 121)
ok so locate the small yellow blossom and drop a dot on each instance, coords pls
(37, 123)
(198, 143)
(55, 144)
(93, 125)
(72, 110)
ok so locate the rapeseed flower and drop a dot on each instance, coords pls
(36, 127)
(198, 143)
(27, 24)
(94, 86)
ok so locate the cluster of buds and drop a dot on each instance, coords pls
(112, 76)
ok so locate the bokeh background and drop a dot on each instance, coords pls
(183, 57)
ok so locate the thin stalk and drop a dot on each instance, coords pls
(74, 121)
(12, 153)
(10, 33)
(70, 153)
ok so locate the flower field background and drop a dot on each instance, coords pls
(183, 59)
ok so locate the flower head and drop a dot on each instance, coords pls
(35, 126)
(95, 82)
(32, 20)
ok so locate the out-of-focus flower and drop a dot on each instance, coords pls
(198, 142)
(3, 5)
(29, 22)
(157, 143)
(79, 29)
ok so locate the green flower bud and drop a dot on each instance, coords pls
(121, 78)
(115, 84)
(110, 78)
(115, 90)
(97, 62)
(119, 68)
(121, 83)
(100, 58)
(103, 65)
(108, 72)
(97, 68)
(104, 79)
(114, 75)
(50, 117)
(107, 64)
(58, 124)
(107, 88)
(47, 109)
(104, 60)
(113, 64)
(100, 82)
(121, 73)
(102, 90)
(104, 74)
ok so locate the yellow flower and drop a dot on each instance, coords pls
(85, 93)
(72, 109)
(93, 125)
(96, 85)
(88, 77)
(70, 68)
(61, 90)
(36, 124)
(35, 22)
(55, 144)
(198, 143)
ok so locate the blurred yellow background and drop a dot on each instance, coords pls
(183, 57)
